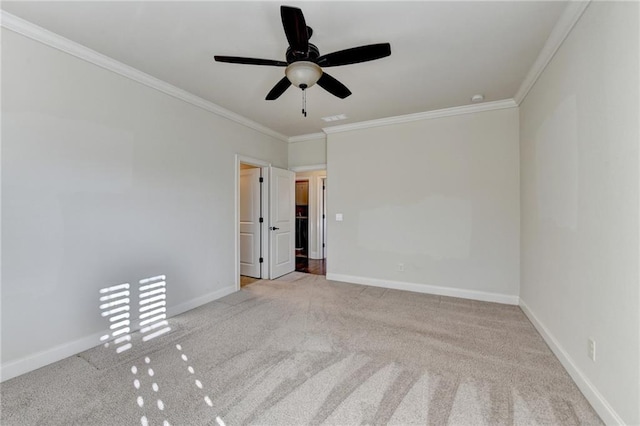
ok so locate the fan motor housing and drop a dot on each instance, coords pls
(312, 54)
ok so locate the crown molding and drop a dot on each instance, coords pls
(32, 31)
(561, 30)
(308, 137)
(428, 115)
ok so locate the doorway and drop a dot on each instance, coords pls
(311, 222)
(265, 221)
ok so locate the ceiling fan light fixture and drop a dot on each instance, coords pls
(303, 74)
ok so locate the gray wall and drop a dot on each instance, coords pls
(106, 181)
(580, 212)
(440, 196)
(310, 152)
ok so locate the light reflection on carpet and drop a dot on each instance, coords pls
(152, 321)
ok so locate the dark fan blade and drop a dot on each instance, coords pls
(295, 28)
(278, 89)
(333, 86)
(355, 55)
(249, 61)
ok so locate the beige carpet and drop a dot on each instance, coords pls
(303, 350)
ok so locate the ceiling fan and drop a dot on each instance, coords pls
(304, 64)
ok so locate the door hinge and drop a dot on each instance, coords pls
(261, 220)
(322, 244)
(323, 187)
(261, 260)
(323, 216)
(261, 179)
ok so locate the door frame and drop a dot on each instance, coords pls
(318, 225)
(264, 233)
(308, 180)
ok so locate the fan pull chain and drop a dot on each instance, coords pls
(304, 102)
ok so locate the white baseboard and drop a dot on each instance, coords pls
(429, 289)
(595, 398)
(32, 362)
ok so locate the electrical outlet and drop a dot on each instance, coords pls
(592, 349)
(400, 267)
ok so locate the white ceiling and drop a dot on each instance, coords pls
(442, 53)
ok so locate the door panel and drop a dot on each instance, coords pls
(282, 217)
(283, 256)
(247, 257)
(250, 222)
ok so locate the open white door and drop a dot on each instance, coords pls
(282, 219)
(250, 222)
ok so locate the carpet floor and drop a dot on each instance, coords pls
(303, 350)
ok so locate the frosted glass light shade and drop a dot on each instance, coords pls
(303, 73)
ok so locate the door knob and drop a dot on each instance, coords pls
(274, 228)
